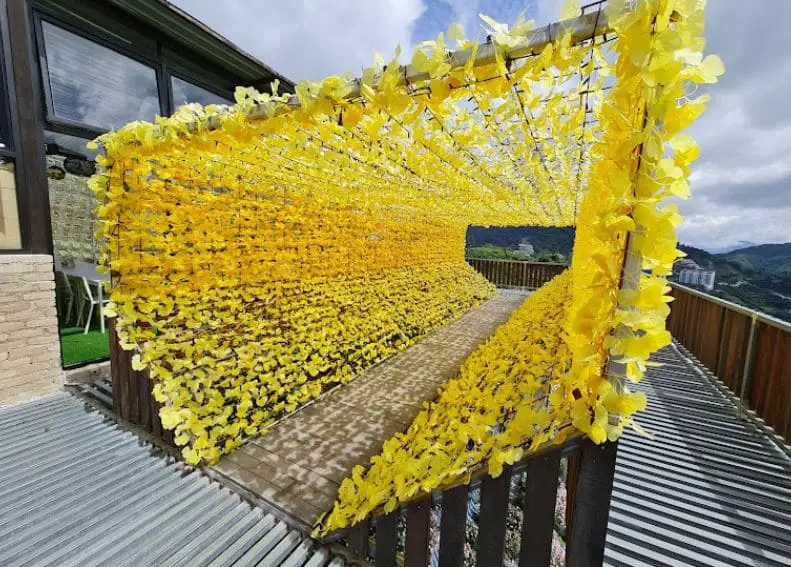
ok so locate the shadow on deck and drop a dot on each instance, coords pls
(297, 467)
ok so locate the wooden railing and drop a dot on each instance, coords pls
(749, 351)
(402, 537)
(516, 273)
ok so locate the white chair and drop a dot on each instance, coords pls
(65, 296)
(87, 296)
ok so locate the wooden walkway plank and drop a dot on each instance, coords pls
(318, 446)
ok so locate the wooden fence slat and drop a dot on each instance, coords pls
(516, 273)
(773, 382)
(573, 465)
(386, 537)
(453, 526)
(115, 377)
(585, 541)
(538, 516)
(495, 493)
(418, 514)
(144, 404)
(763, 369)
(124, 369)
(358, 538)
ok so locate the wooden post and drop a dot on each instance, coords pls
(630, 281)
(591, 506)
(749, 359)
(358, 539)
(453, 526)
(538, 517)
(418, 517)
(386, 537)
(492, 519)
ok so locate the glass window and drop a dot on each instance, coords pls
(73, 212)
(64, 144)
(184, 92)
(94, 85)
(9, 219)
(72, 203)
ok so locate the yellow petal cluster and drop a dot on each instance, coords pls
(640, 160)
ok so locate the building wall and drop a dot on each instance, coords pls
(29, 344)
(9, 219)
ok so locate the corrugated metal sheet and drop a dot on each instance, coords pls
(708, 489)
(76, 489)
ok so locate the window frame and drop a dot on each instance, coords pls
(164, 66)
(64, 125)
(8, 116)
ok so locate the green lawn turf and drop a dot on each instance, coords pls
(78, 347)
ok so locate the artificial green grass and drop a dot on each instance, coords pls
(78, 347)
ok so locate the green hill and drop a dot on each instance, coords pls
(543, 239)
(758, 277)
(773, 259)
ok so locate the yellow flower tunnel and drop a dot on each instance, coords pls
(263, 252)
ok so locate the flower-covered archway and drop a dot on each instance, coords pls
(263, 252)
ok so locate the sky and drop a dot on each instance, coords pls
(741, 184)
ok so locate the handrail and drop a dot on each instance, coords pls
(758, 315)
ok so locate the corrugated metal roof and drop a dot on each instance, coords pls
(76, 489)
(708, 489)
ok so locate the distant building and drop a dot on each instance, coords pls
(697, 277)
(685, 264)
(525, 247)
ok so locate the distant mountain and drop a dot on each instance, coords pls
(774, 259)
(737, 246)
(758, 277)
(543, 239)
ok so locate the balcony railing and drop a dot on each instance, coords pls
(749, 351)
(516, 273)
(528, 488)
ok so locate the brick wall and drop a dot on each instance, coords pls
(29, 345)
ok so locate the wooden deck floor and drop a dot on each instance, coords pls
(709, 489)
(297, 467)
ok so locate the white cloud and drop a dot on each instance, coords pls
(741, 186)
(310, 39)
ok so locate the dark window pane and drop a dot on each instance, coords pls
(95, 85)
(184, 92)
(5, 110)
(67, 145)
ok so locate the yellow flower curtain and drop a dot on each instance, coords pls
(264, 252)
